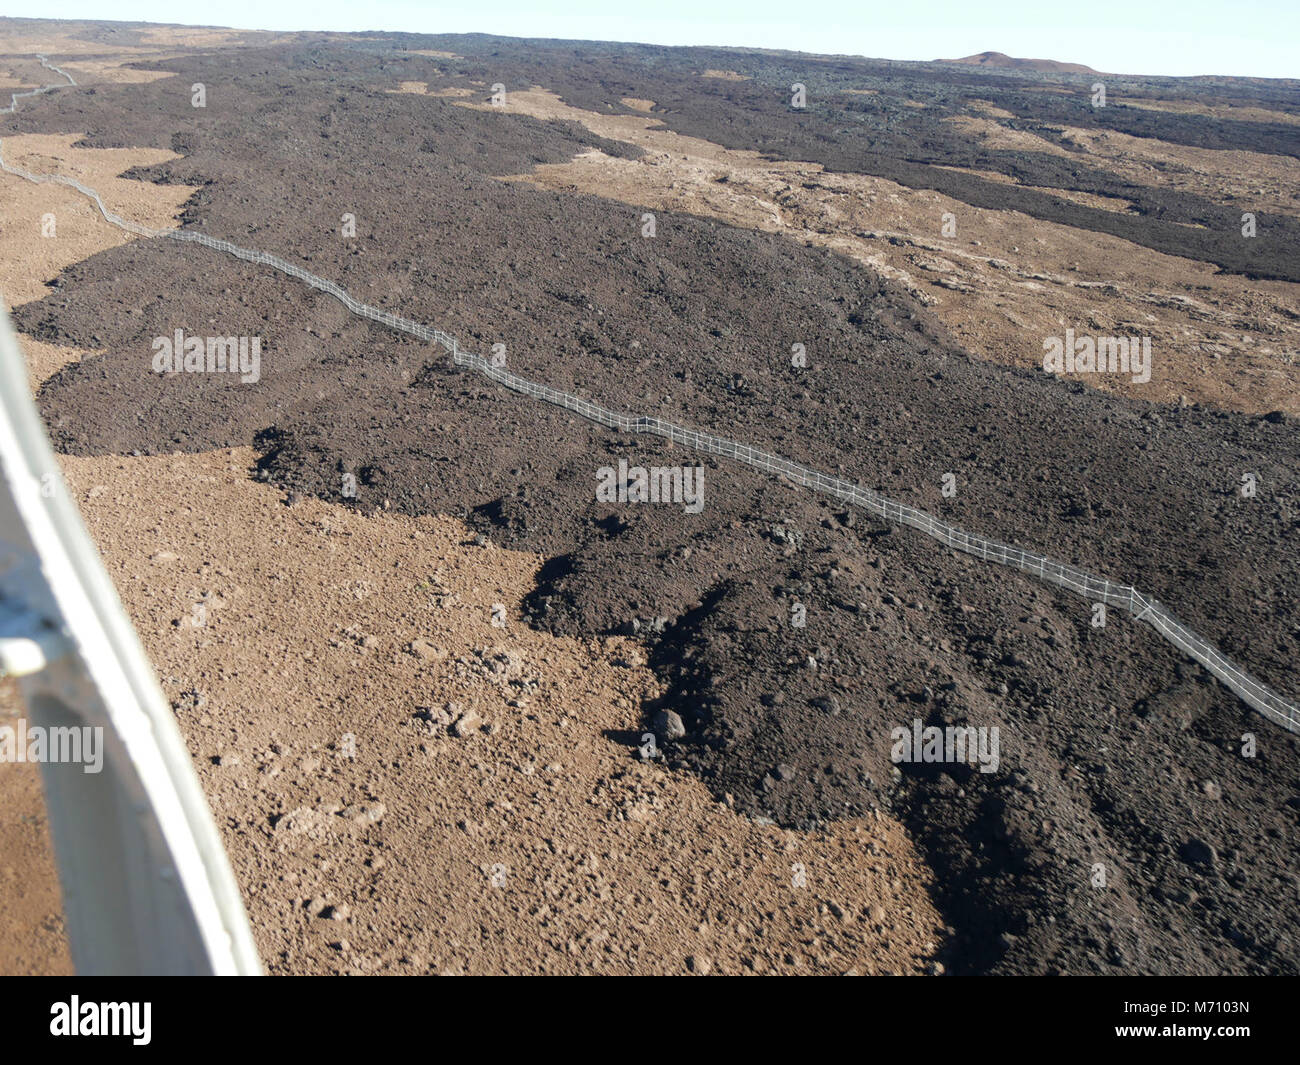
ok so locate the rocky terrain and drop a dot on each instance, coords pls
(774, 226)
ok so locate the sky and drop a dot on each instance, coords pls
(1258, 38)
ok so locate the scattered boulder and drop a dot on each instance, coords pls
(468, 723)
(668, 725)
(1197, 852)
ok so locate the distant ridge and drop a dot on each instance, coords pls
(998, 59)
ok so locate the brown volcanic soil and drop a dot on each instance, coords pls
(863, 117)
(610, 865)
(1005, 281)
(1115, 750)
(32, 941)
(531, 842)
(1004, 61)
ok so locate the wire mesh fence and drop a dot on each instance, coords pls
(1088, 585)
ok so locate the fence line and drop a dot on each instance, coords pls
(1091, 587)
